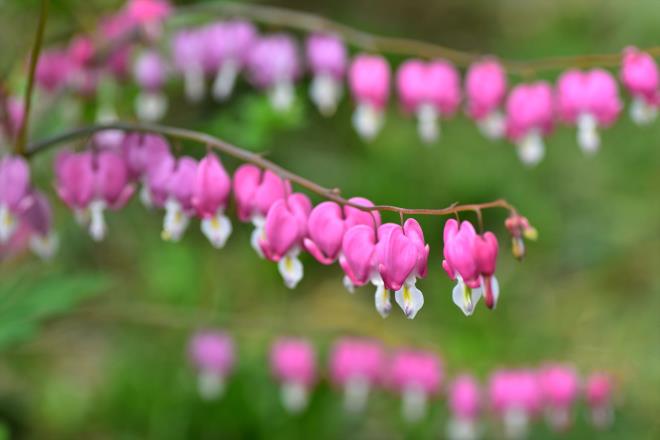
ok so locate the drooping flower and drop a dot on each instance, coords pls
(485, 87)
(179, 180)
(640, 75)
(589, 99)
(516, 398)
(369, 80)
(91, 182)
(284, 231)
(559, 386)
(38, 217)
(529, 117)
(143, 150)
(327, 224)
(226, 50)
(188, 56)
(465, 407)
(599, 398)
(212, 354)
(519, 228)
(357, 366)
(83, 76)
(470, 259)
(255, 191)
(150, 72)
(293, 364)
(357, 259)
(327, 58)
(14, 194)
(210, 195)
(431, 91)
(274, 65)
(417, 375)
(114, 29)
(402, 257)
(149, 15)
(53, 70)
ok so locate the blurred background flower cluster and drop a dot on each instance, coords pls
(93, 343)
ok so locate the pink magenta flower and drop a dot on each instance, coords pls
(470, 259)
(485, 87)
(402, 257)
(212, 354)
(53, 70)
(180, 177)
(150, 15)
(274, 65)
(464, 400)
(326, 226)
(356, 365)
(590, 100)
(430, 90)
(188, 56)
(417, 375)
(293, 363)
(255, 191)
(516, 397)
(14, 194)
(226, 50)
(209, 199)
(143, 150)
(369, 80)
(91, 182)
(598, 393)
(284, 231)
(327, 58)
(38, 217)
(357, 258)
(150, 72)
(559, 386)
(639, 74)
(519, 228)
(529, 117)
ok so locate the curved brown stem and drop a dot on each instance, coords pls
(256, 159)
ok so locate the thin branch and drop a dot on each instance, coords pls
(246, 156)
(308, 22)
(34, 58)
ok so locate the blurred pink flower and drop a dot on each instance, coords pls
(210, 196)
(293, 364)
(485, 88)
(328, 59)
(417, 375)
(212, 353)
(369, 81)
(640, 75)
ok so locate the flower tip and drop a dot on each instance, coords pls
(531, 233)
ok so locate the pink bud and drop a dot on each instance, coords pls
(357, 259)
(356, 359)
(293, 361)
(142, 151)
(416, 369)
(593, 92)
(212, 351)
(327, 55)
(256, 191)
(485, 87)
(465, 398)
(211, 187)
(639, 73)
(485, 253)
(286, 226)
(369, 79)
(274, 59)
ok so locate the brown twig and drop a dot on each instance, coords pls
(253, 158)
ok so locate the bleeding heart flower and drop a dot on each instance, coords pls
(38, 217)
(53, 70)
(212, 353)
(485, 87)
(515, 396)
(590, 100)
(14, 194)
(284, 231)
(639, 74)
(417, 375)
(293, 364)
(180, 185)
(465, 406)
(559, 386)
(209, 198)
(530, 113)
(519, 228)
(150, 72)
(369, 80)
(327, 59)
(188, 54)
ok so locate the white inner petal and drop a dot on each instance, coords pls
(410, 299)
(44, 246)
(428, 126)
(258, 234)
(217, 229)
(531, 149)
(175, 221)
(294, 397)
(465, 298)
(210, 385)
(8, 223)
(97, 226)
(193, 79)
(150, 106)
(587, 133)
(281, 95)
(225, 79)
(413, 404)
(382, 301)
(602, 416)
(325, 92)
(356, 393)
(493, 125)
(558, 417)
(641, 112)
(367, 121)
(348, 284)
(462, 429)
(516, 423)
(291, 269)
(145, 196)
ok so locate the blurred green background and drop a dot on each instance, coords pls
(92, 344)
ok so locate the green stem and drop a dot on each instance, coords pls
(21, 140)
